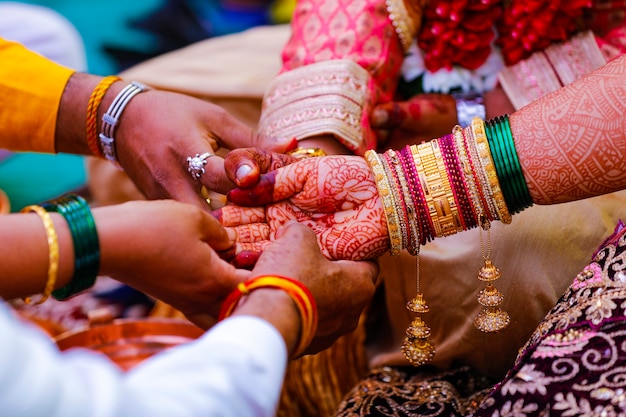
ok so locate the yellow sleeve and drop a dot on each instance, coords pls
(31, 87)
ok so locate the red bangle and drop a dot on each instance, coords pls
(298, 292)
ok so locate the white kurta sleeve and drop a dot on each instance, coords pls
(236, 369)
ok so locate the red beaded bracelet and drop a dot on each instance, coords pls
(299, 293)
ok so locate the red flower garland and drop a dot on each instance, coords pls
(532, 25)
(460, 32)
(457, 32)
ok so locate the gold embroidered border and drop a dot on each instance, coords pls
(322, 98)
(406, 17)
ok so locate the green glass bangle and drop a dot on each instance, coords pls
(77, 214)
(496, 155)
(514, 171)
(90, 259)
(88, 263)
(511, 179)
(525, 198)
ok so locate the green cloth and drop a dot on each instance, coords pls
(32, 178)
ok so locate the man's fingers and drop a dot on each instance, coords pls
(294, 252)
(214, 178)
(367, 270)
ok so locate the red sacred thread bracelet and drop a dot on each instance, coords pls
(92, 112)
(298, 292)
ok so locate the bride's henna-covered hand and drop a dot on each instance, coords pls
(336, 196)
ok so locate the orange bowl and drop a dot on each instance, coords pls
(129, 341)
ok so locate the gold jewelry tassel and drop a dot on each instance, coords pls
(491, 318)
(417, 347)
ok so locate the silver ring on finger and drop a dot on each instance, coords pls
(196, 164)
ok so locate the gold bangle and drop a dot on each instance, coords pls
(386, 196)
(479, 174)
(445, 203)
(484, 153)
(302, 153)
(92, 112)
(466, 171)
(426, 167)
(398, 200)
(434, 189)
(412, 232)
(53, 252)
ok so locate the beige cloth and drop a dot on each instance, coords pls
(539, 253)
(232, 71)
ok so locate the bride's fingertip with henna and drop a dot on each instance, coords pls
(245, 259)
(242, 173)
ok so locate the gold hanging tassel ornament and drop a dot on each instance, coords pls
(491, 318)
(417, 347)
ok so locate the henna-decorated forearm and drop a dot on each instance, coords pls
(567, 146)
(572, 143)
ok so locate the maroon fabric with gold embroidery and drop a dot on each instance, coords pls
(575, 362)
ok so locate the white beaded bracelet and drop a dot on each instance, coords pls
(111, 118)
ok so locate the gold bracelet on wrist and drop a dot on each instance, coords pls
(434, 190)
(53, 252)
(446, 206)
(413, 232)
(484, 153)
(386, 196)
(302, 153)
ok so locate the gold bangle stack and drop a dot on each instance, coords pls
(413, 233)
(484, 154)
(466, 171)
(386, 196)
(394, 185)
